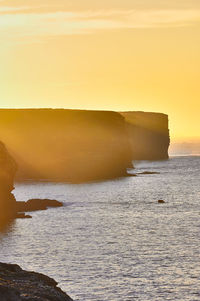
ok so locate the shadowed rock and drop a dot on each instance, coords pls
(148, 135)
(8, 169)
(19, 285)
(9, 294)
(23, 215)
(66, 145)
(81, 146)
(37, 204)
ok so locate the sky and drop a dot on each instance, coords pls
(106, 55)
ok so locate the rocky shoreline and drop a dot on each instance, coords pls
(19, 285)
(35, 205)
(15, 283)
(102, 146)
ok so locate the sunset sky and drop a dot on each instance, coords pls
(108, 54)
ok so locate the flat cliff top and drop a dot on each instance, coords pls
(19, 285)
(66, 112)
(60, 116)
(144, 112)
(153, 121)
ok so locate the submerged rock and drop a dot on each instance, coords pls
(19, 285)
(149, 173)
(37, 204)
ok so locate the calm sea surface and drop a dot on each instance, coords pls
(112, 241)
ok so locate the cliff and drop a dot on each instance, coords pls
(66, 145)
(7, 172)
(19, 285)
(148, 135)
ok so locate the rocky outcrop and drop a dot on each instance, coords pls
(23, 215)
(37, 204)
(19, 285)
(66, 145)
(8, 169)
(148, 135)
(9, 208)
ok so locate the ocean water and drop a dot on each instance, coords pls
(112, 241)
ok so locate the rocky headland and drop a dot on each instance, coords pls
(66, 145)
(81, 146)
(9, 207)
(35, 205)
(72, 146)
(148, 135)
(19, 285)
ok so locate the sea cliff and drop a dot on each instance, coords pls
(66, 145)
(8, 169)
(81, 146)
(148, 135)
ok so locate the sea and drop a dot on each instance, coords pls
(112, 240)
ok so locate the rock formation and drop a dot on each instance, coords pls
(7, 172)
(66, 145)
(81, 146)
(148, 135)
(37, 204)
(19, 285)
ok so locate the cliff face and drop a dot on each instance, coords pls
(7, 173)
(148, 135)
(69, 145)
(77, 146)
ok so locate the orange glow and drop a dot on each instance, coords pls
(103, 55)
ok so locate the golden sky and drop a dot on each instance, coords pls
(108, 54)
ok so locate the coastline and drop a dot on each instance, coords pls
(113, 231)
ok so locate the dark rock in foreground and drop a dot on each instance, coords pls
(37, 204)
(19, 285)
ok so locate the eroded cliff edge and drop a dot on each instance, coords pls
(148, 135)
(8, 169)
(66, 145)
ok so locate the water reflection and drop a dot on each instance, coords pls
(111, 240)
(6, 227)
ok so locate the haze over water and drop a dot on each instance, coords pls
(112, 240)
